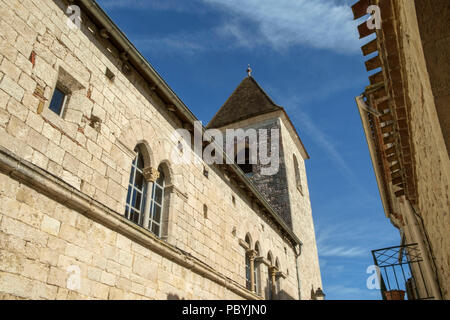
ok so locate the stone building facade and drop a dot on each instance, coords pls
(92, 203)
(405, 114)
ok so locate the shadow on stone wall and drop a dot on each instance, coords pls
(283, 295)
(172, 296)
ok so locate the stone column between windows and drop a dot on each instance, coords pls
(150, 175)
(252, 256)
(257, 263)
(273, 273)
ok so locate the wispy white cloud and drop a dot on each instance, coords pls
(323, 24)
(340, 237)
(329, 243)
(342, 251)
(233, 31)
(276, 24)
(308, 126)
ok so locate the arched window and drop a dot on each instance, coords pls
(248, 240)
(298, 180)
(145, 199)
(277, 281)
(137, 190)
(156, 204)
(270, 258)
(269, 295)
(257, 275)
(248, 281)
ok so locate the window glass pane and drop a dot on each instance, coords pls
(136, 194)
(133, 200)
(155, 229)
(129, 194)
(134, 216)
(157, 213)
(137, 202)
(57, 102)
(158, 195)
(139, 180)
(247, 272)
(131, 214)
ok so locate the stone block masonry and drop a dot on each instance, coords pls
(64, 179)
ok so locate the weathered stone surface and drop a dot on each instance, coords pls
(41, 237)
(12, 88)
(50, 225)
(427, 74)
(419, 83)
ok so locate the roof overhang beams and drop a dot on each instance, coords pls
(364, 112)
(386, 94)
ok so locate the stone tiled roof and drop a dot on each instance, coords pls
(248, 100)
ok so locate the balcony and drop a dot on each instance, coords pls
(401, 273)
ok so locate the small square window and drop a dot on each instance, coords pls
(58, 101)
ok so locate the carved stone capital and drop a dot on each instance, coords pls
(251, 254)
(273, 271)
(150, 174)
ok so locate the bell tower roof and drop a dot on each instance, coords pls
(248, 100)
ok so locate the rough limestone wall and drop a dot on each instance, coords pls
(40, 239)
(408, 226)
(97, 162)
(273, 187)
(433, 19)
(431, 161)
(300, 206)
(302, 217)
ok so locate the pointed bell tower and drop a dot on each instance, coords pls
(250, 107)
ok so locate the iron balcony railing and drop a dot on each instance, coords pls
(401, 273)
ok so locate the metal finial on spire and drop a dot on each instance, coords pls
(249, 71)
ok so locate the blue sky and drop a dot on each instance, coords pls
(306, 55)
